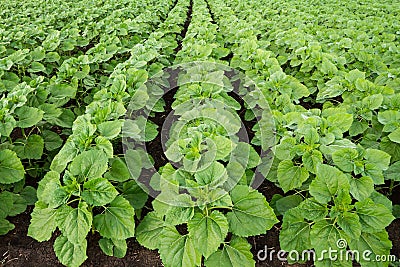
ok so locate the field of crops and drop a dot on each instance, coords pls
(185, 133)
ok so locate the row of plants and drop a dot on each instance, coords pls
(335, 157)
(37, 109)
(89, 187)
(81, 100)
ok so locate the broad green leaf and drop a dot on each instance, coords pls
(5, 226)
(325, 235)
(90, 164)
(235, 254)
(312, 210)
(132, 192)
(177, 250)
(52, 140)
(215, 174)
(98, 192)
(111, 247)
(117, 221)
(149, 230)
(118, 172)
(28, 116)
(395, 136)
(328, 182)
(378, 158)
(373, 217)
(286, 203)
(295, 233)
(134, 162)
(11, 169)
(110, 129)
(361, 188)
(208, 231)
(7, 199)
(36, 67)
(311, 159)
(393, 173)
(350, 224)
(341, 121)
(246, 155)
(224, 146)
(379, 198)
(284, 149)
(251, 214)
(74, 223)
(64, 156)
(344, 158)
(103, 144)
(291, 176)
(43, 222)
(372, 244)
(18, 205)
(176, 215)
(70, 254)
(32, 148)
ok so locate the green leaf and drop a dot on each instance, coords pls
(70, 254)
(224, 146)
(111, 247)
(344, 158)
(98, 192)
(251, 214)
(395, 136)
(208, 232)
(373, 217)
(215, 174)
(235, 254)
(178, 215)
(117, 221)
(149, 230)
(118, 172)
(286, 203)
(29, 195)
(43, 222)
(52, 141)
(374, 244)
(36, 67)
(74, 223)
(32, 148)
(311, 159)
(290, 176)
(28, 116)
(11, 169)
(177, 250)
(361, 188)
(312, 210)
(295, 233)
(350, 224)
(134, 162)
(110, 129)
(328, 182)
(5, 226)
(341, 121)
(325, 235)
(90, 164)
(378, 158)
(372, 101)
(64, 156)
(132, 192)
(393, 173)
